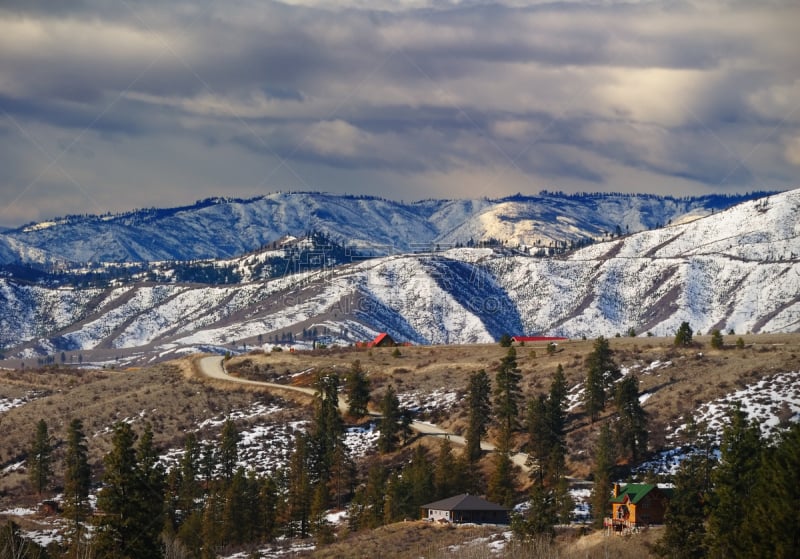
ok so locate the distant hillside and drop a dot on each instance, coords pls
(225, 227)
(738, 269)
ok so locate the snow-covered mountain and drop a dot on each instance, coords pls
(226, 228)
(736, 269)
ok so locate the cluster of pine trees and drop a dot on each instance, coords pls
(742, 505)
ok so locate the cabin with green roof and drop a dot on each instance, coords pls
(637, 504)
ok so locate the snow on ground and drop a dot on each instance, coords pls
(575, 396)
(361, 441)
(772, 402)
(267, 445)
(10, 403)
(255, 410)
(279, 550)
(18, 511)
(44, 536)
(425, 402)
(580, 496)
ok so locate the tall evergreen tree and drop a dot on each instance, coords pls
(150, 494)
(357, 388)
(77, 481)
(327, 430)
(601, 374)
(236, 510)
(389, 424)
(40, 458)
(557, 423)
(420, 477)
(300, 489)
(772, 522)
(189, 489)
(734, 479)
(268, 508)
(507, 394)
(367, 508)
(603, 468)
(684, 530)
(228, 449)
(125, 528)
(445, 475)
(633, 419)
(539, 433)
(479, 409)
(540, 519)
(501, 483)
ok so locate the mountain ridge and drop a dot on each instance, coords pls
(734, 270)
(227, 227)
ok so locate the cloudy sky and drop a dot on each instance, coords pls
(110, 105)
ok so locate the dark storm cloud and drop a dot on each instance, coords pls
(442, 97)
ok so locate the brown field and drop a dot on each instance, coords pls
(173, 399)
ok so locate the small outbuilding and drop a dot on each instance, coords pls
(383, 340)
(465, 508)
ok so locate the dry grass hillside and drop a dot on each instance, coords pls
(175, 400)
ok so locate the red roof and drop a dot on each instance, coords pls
(538, 338)
(380, 338)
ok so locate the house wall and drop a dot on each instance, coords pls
(651, 509)
(439, 514)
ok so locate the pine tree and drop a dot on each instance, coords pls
(367, 508)
(734, 479)
(540, 519)
(40, 465)
(236, 513)
(479, 408)
(684, 530)
(717, 341)
(501, 483)
(150, 486)
(126, 528)
(775, 498)
(539, 433)
(189, 489)
(211, 531)
(683, 336)
(507, 394)
(445, 475)
(228, 449)
(300, 488)
(77, 480)
(327, 429)
(602, 372)
(633, 419)
(603, 467)
(268, 507)
(557, 423)
(390, 416)
(320, 527)
(358, 391)
(419, 474)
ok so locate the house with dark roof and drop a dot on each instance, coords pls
(465, 508)
(637, 504)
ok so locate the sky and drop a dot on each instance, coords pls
(112, 105)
